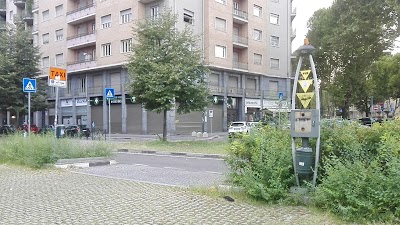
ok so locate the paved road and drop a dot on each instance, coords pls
(164, 169)
(63, 197)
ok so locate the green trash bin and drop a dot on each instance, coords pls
(304, 161)
(60, 131)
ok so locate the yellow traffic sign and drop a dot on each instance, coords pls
(305, 74)
(305, 84)
(305, 98)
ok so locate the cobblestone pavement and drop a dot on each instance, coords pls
(63, 197)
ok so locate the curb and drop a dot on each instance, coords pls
(84, 162)
(199, 155)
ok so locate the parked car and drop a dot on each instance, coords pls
(239, 127)
(46, 129)
(7, 129)
(367, 121)
(34, 128)
(77, 131)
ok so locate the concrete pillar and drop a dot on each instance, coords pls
(171, 118)
(144, 120)
(74, 121)
(89, 84)
(225, 77)
(123, 104)
(8, 117)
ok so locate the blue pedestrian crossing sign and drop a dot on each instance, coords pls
(29, 85)
(280, 95)
(109, 93)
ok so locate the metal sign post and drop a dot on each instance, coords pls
(305, 120)
(211, 115)
(29, 85)
(109, 93)
(57, 78)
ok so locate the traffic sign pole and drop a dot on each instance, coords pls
(56, 113)
(109, 119)
(29, 114)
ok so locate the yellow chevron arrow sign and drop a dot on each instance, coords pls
(305, 84)
(305, 98)
(305, 74)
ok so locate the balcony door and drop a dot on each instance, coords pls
(236, 8)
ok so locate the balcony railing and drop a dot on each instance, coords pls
(239, 65)
(27, 16)
(3, 24)
(35, 28)
(80, 8)
(252, 93)
(240, 39)
(81, 64)
(239, 13)
(35, 6)
(235, 91)
(3, 5)
(80, 35)
(216, 89)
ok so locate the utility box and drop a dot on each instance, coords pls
(304, 122)
(304, 160)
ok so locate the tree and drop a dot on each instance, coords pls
(18, 59)
(166, 68)
(349, 37)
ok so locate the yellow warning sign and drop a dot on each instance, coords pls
(305, 74)
(305, 84)
(305, 98)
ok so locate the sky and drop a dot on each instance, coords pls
(305, 9)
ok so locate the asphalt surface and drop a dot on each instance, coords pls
(66, 197)
(163, 169)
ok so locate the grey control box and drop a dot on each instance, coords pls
(304, 122)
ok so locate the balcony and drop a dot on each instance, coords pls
(35, 7)
(239, 16)
(216, 89)
(235, 91)
(81, 64)
(146, 1)
(20, 3)
(252, 93)
(27, 17)
(35, 29)
(293, 14)
(82, 14)
(3, 8)
(293, 34)
(239, 65)
(95, 90)
(240, 42)
(81, 40)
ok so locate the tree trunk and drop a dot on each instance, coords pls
(164, 135)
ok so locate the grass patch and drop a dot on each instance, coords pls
(179, 146)
(37, 150)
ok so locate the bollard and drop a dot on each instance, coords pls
(198, 134)
(205, 134)
(194, 134)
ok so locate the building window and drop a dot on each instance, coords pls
(257, 59)
(45, 62)
(257, 35)
(274, 41)
(188, 16)
(106, 21)
(11, 15)
(69, 87)
(126, 45)
(82, 85)
(59, 10)
(59, 35)
(45, 38)
(276, 1)
(220, 51)
(274, 64)
(221, 1)
(126, 16)
(106, 49)
(45, 15)
(274, 19)
(257, 11)
(59, 59)
(220, 24)
(155, 12)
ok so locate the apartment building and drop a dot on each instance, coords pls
(246, 44)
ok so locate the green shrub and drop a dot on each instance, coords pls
(37, 150)
(261, 163)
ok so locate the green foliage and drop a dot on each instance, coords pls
(18, 59)
(349, 36)
(166, 67)
(360, 172)
(38, 150)
(261, 163)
